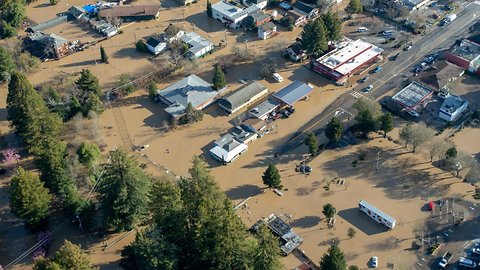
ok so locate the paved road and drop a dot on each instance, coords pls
(393, 72)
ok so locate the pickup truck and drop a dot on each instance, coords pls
(445, 259)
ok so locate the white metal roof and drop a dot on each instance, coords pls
(228, 155)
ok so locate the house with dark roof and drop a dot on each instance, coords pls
(192, 89)
(308, 10)
(254, 125)
(440, 75)
(293, 92)
(475, 39)
(156, 45)
(131, 12)
(45, 46)
(295, 52)
(298, 19)
(242, 97)
(76, 12)
(267, 30)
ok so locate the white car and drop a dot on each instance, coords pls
(367, 89)
(374, 261)
(476, 250)
(277, 77)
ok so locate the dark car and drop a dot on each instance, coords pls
(290, 110)
(364, 79)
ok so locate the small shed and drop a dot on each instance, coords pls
(155, 45)
(293, 92)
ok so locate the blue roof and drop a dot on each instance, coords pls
(89, 8)
(293, 92)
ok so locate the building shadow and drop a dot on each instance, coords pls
(362, 222)
(306, 222)
(242, 192)
(206, 24)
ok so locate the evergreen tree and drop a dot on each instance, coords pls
(125, 192)
(87, 82)
(69, 256)
(209, 9)
(334, 130)
(219, 81)
(29, 199)
(329, 211)
(267, 252)
(89, 95)
(452, 153)
(351, 232)
(7, 66)
(365, 122)
(195, 227)
(314, 37)
(12, 12)
(312, 143)
(152, 90)
(271, 177)
(103, 55)
(141, 46)
(333, 26)
(334, 259)
(355, 6)
(386, 123)
(88, 154)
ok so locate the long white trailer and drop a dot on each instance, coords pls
(377, 214)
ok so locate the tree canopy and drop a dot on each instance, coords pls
(69, 256)
(329, 211)
(7, 66)
(103, 55)
(334, 129)
(196, 227)
(124, 192)
(333, 26)
(88, 154)
(334, 259)
(314, 37)
(312, 142)
(219, 81)
(88, 96)
(365, 122)
(12, 12)
(29, 199)
(271, 177)
(386, 123)
(355, 6)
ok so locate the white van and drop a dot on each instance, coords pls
(362, 29)
(387, 33)
(466, 262)
(277, 77)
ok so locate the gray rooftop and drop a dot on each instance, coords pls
(267, 26)
(263, 108)
(293, 92)
(242, 95)
(259, 16)
(467, 50)
(412, 95)
(196, 42)
(452, 103)
(227, 142)
(191, 89)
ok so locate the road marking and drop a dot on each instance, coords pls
(356, 95)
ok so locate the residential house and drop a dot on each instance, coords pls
(308, 10)
(261, 4)
(172, 33)
(465, 55)
(131, 12)
(45, 46)
(267, 30)
(76, 12)
(452, 108)
(227, 149)
(440, 75)
(243, 135)
(242, 97)
(156, 45)
(298, 19)
(192, 89)
(187, 2)
(295, 52)
(254, 125)
(231, 15)
(256, 19)
(198, 46)
(414, 5)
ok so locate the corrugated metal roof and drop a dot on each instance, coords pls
(293, 92)
(243, 95)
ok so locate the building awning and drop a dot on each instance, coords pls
(293, 92)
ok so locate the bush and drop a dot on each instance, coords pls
(141, 46)
(6, 30)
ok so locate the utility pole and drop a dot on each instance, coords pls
(226, 41)
(378, 159)
(246, 48)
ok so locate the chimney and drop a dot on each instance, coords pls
(144, 10)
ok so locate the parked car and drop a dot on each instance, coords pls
(362, 29)
(377, 69)
(277, 77)
(290, 109)
(407, 48)
(367, 89)
(374, 261)
(387, 33)
(417, 69)
(431, 206)
(242, 81)
(476, 250)
(364, 79)
(413, 113)
(395, 56)
(286, 114)
(433, 4)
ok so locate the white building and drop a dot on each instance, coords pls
(452, 107)
(267, 30)
(376, 214)
(197, 44)
(155, 45)
(231, 15)
(227, 149)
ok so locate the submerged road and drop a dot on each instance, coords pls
(392, 74)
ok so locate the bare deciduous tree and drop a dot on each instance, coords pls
(437, 148)
(416, 135)
(463, 161)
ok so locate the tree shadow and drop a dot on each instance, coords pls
(243, 192)
(129, 52)
(362, 222)
(306, 222)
